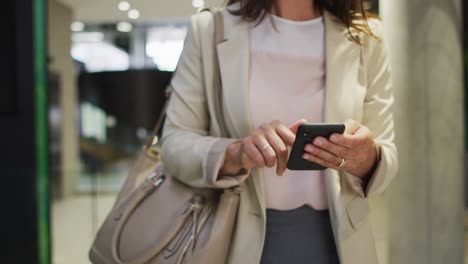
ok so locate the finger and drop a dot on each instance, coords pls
(351, 126)
(360, 137)
(296, 125)
(253, 153)
(322, 154)
(364, 135)
(320, 161)
(280, 149)
(265, 148)
(335, 149)
(286, 135)
(344, 140)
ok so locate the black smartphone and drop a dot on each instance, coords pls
(305, 134)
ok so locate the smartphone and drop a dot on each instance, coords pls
(305, 134)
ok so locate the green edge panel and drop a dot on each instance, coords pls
(40, 74)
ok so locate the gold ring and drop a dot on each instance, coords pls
(343, 162)
(266, 146)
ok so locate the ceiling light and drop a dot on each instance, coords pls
(133, 14)
(198, 3)
(124, 27)
(111, 121)
(87, 37)
(77, 26)
(124, 6)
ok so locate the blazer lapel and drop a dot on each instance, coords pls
(342, 65)
(234, 63)
(342, 62)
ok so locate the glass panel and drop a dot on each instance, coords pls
(121, 71)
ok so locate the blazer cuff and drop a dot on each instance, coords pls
(379, 175)
(213, 163)
(357, 184)
(363, 186)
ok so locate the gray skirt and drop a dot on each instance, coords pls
(299, 236)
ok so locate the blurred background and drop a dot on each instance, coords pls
(83, 84)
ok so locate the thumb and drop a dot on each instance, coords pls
(296, 125)
(351, 127)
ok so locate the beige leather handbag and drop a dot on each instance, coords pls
(157, 219)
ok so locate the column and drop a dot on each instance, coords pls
(60, 19)
(425, 202)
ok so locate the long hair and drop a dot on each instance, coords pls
(351, 13)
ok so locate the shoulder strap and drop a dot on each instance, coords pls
(219, 111)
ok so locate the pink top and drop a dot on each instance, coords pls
(287, 83)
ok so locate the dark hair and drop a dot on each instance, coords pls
(351, 13)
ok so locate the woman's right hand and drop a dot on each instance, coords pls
(267, 146)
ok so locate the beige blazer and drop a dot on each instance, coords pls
(358, 86)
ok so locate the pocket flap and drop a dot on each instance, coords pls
(357, 210)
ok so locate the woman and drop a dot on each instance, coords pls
(284, 63)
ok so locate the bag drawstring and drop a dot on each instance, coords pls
(195, 209)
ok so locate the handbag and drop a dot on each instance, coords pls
(157, 219)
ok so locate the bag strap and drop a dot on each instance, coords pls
(217, 85)
(159, 123)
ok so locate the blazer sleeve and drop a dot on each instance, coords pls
(188, 152)
(378, 114)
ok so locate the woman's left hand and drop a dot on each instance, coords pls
(356, 146)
